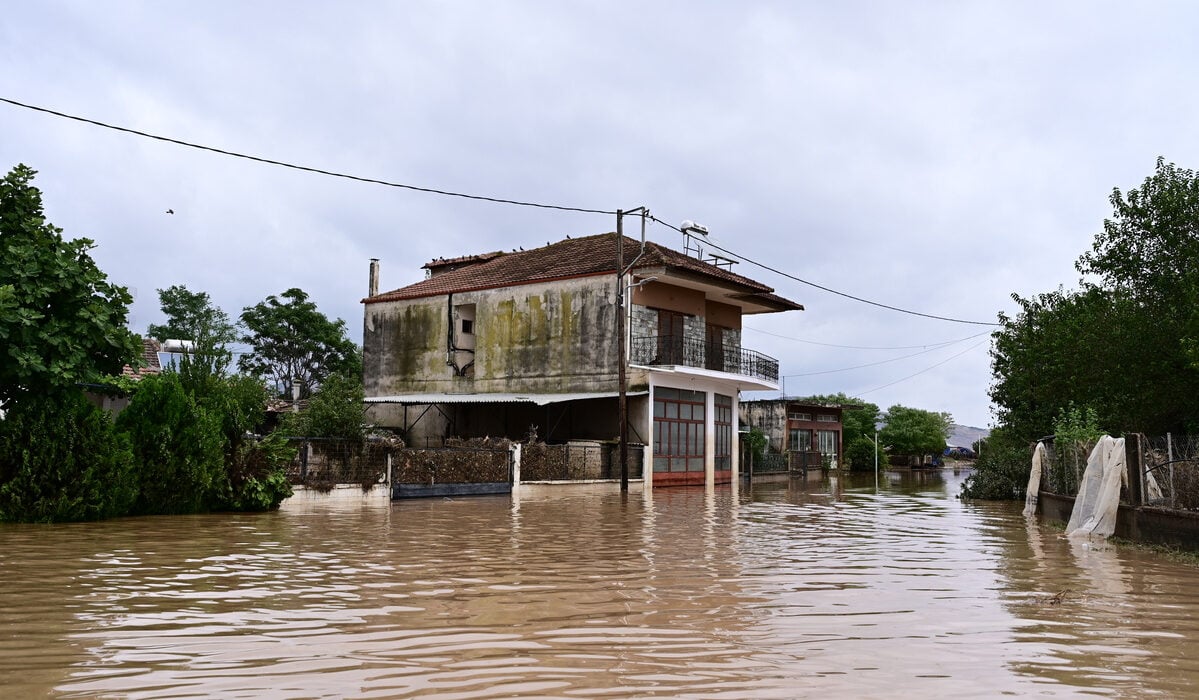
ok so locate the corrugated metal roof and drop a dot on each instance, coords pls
(539, 399)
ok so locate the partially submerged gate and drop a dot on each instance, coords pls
(450, 471)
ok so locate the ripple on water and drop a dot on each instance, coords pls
(802, 588)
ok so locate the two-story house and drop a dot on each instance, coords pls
(809, 432)
(502, 344)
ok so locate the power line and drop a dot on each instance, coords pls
(462, 195)
(305, 168)
(869, 364)
(828, 289)
(926, 369)
(934, 346)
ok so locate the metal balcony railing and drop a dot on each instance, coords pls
(692, 352)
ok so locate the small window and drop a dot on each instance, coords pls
(826, 418)
(800, 416)
(468, 326)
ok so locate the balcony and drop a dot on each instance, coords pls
(676, 350)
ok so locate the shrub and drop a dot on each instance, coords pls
(257, 476)
(1001, 471)
(177, 446)
(61, 460)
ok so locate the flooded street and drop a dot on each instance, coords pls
(778, 590)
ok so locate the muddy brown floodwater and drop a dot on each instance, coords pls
(779, 590)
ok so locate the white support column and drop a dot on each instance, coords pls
(709, 438)
(647, 459)
(735, 446)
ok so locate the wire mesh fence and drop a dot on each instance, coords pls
(1171, 464)
(1062, 472)
(322, 463)
(1169, 476)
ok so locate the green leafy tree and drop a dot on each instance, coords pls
(334, 411)
(61, 460)
(61, 321)
(294, 344)
(914, 431)
(1126, 343)
(191, 316)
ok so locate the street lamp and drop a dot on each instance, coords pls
(875, 457)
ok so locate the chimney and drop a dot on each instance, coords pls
(374, 283)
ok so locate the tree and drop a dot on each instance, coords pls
(61, 321)
(334, 411)
(914, 431)
(191, 316)
(1126, 343)
(294, 344)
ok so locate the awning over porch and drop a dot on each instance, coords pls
(539, 399)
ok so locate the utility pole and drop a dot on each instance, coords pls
(622, 402)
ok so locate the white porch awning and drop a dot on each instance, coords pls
(539, 399)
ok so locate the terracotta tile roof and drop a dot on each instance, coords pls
(572, 257)
(150, 365)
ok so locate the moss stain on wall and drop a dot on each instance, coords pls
(411, 356)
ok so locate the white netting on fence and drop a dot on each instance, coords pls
(1039, 457)
(1098, 499)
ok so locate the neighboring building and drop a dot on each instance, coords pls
(112, 400)
(504, 344)
(799, 427)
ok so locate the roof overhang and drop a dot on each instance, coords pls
(538, 399)
(748, 299)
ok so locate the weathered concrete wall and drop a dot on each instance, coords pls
(1173, 528)
(404, 346)
(554, 337)
(768, 416)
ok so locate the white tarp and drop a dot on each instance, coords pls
(1034, 480)
(1098, 497)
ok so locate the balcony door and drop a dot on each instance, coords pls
(670, 337)
(714, 352)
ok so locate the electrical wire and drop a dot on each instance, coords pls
(869, 364)
(463, 195)
(938, 344)
(828, 289)
(926, 369)
(305, 168)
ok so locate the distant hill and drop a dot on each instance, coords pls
(965, 435)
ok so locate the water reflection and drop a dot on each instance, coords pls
(776, 589)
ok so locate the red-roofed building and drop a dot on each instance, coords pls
(497, 343)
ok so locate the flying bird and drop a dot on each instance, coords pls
(170, 211)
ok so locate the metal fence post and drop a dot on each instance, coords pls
(1134, 463)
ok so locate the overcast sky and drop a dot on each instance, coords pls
(932, 156)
